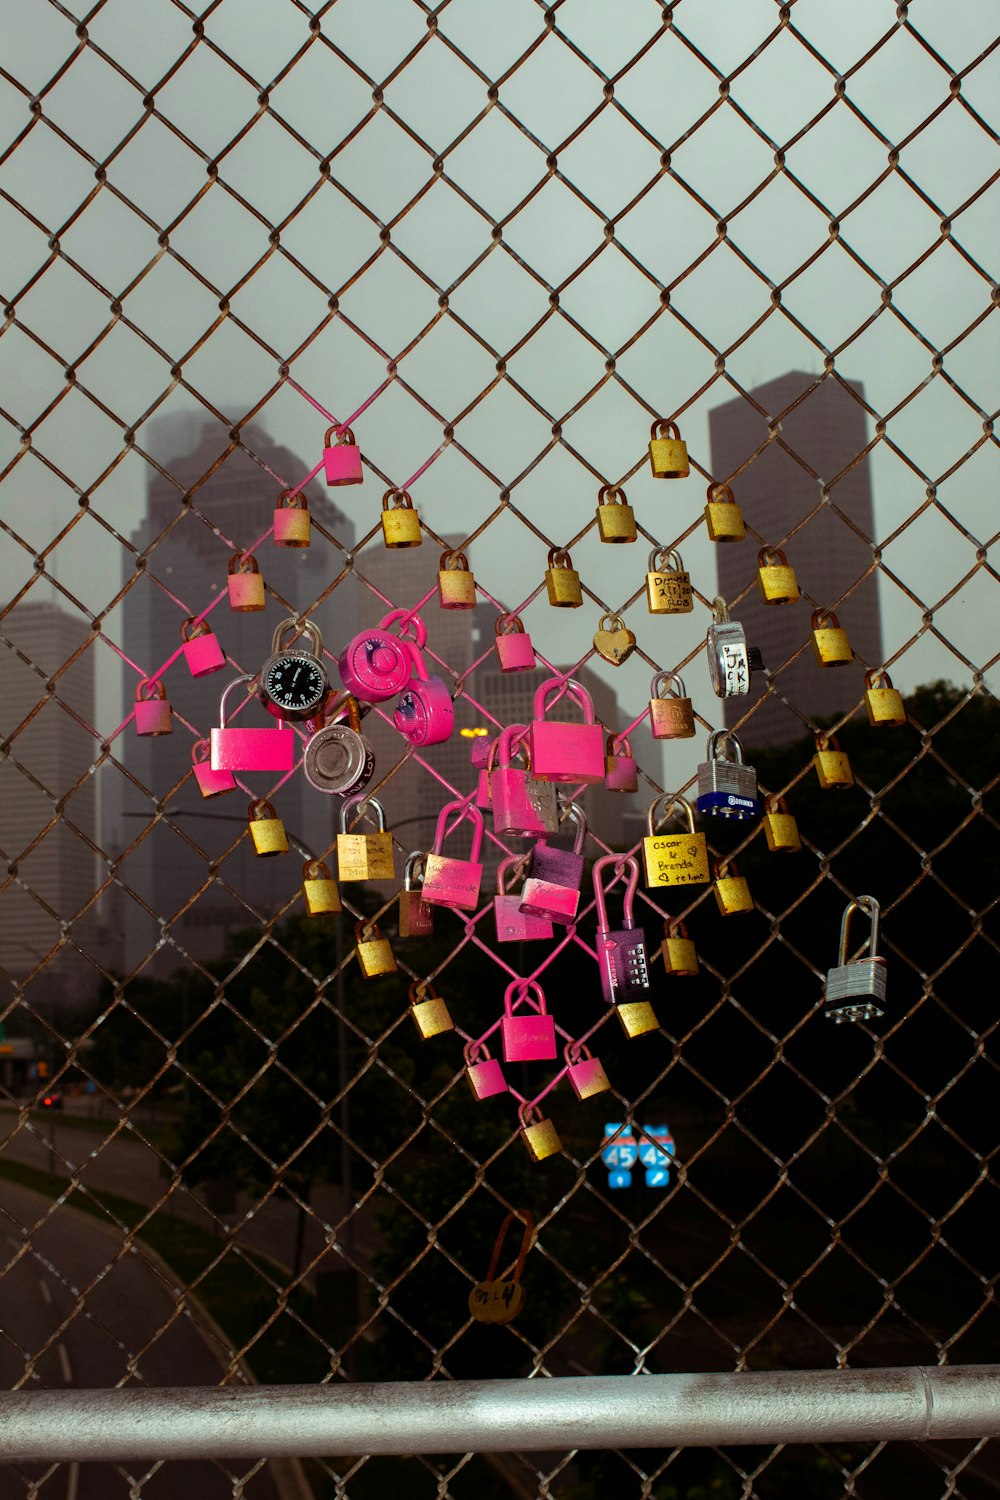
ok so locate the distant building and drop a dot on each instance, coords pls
(48, 816)
(187, 877)
(831, 552)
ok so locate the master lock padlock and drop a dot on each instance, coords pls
(338, 758)
(376, 665)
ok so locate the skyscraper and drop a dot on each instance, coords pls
(48, 823)
(808, 491)
(187, 877)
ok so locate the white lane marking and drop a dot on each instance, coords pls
(72, 1478)
(64, 1364)
(46, 1294)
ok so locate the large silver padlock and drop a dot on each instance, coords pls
(730, 658)
(727, 788)
(855, 990)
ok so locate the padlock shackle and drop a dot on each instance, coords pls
(454, 562)
(297, 501)
(364, 805)
(420, 989)
(674, 678)
(399, 500)
(205, 747)
(771, 557)
(621, 863)
(720, 610)
(502, 621)
(615, 493)
(616, 742)
(504, 866)
(573, 689)
(198, 628)
(252, 693)
(555, 553)
(412, 621)
(720, 494)
(870, 907)
(725, 869)
(661, 425)
(725, 737)
(776, 802)
(523, 986)
(363, 926)
(416, 656)
(574, 813)
(344, 435)
(410, 869)
(617, 623)
(156, 683)
(673, 927)
(474, 1052)
(315, 869)
(824, 619)
(878, 677)
(504, 750)
(670, 801)
(301, 627)
(524, 1215)
(661, 555)
(827, 741)
(349, 705)
(236, 563)
(465, 810)
(260, 809)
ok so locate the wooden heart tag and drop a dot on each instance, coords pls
(613, 641)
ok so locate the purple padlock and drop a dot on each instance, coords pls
(563, 751)
(454, 882)
(152, 713)
(484, 1072)
(552, 888)
(202, 651)
(250, 749)
(341, 460)
(513, 924)
(425, 714)
(529, 1034)
(621, 951)
(521, 806)
(210, 783)
(584, 1071)
(375, 665)
(513, 647)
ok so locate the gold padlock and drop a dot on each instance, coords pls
(678, 951)
(400, 522)
(499, 1299)
(429, 1012)
(292, 524)
(615, 517)
(621, 774)
(674, 858)
(668, 455)
(777, 581)
(780, 829)
(375, 956)
(883, 702)
(539, 1135)
(832, 766)
(319, 888)
(731, 891)
(364, 856)
(670, 717)
(562, 581)
(637, 1017)
(267, 830)
(456, 585)
(668, 586)
(831, 647)
(723, 516)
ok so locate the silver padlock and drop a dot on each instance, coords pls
(338, 757)
(730, 658)
(855, 991)
(727, 788)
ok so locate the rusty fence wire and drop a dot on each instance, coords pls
(497, 243)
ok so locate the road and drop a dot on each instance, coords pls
(91, 1316)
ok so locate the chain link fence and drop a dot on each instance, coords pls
(496, 243)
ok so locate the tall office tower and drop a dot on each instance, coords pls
(192, 869)
(814, 453)
(48, 822)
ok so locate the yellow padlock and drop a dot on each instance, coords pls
(723, 516)
(832, 766)
(674, 858)
(883, 702)
(732, 894)
(615, 517)
(400, 522)
(375, 956)
(539, 1135)
(364, 856)
(562, 581)
(668, 586)
(430, 1014)
(777, 581)
(831, 647)
(319, 889)
(456, 585)
(668, 455)
(678, 951)
(267, 830)
(780, 829)
(637, 1017)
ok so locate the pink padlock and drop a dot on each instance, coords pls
(621, 772)
(342, 462)
(375, 665)
(244, 584)
(292, 525)
(513, 924)
(202, 651)
(529, 1034)
(425, 714)
(521, 806)
(152, 713)
(563, 751)
(479, 757)
(552, 888)
(250, 749)
(210, 783)
(455, 882)
(484, 1072)
(584, 1071)
(513, 647)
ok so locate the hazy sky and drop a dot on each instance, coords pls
(184, 216)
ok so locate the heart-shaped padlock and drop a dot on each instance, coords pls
(613, 640)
